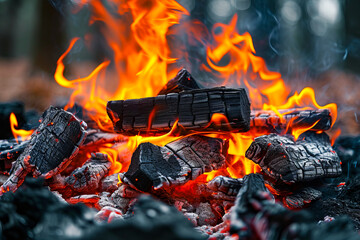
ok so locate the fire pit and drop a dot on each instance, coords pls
(143, 149)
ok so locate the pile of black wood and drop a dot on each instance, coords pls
(66, 154)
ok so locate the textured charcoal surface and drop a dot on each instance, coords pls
(344, 202)
(182, 81)
(86, 179)
(269, 120)
(52, 146)
(226, 185)
(175, 163)
(257, 216)
(194, 110)
(309, 158)
(109, 183)
(252, 194)
(10, 150)
(99, 137)
(302, 198)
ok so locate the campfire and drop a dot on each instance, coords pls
(145, 150)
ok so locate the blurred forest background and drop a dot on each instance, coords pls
(310, 42)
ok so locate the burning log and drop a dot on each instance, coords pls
(52, 146)
(86, 179)
(175, 163)
(182, 81)
(10, 150)
(292, 118)
(308, 158)
(302, 198)
(194, 110)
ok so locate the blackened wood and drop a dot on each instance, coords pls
(268, 120)
(182, 81)
(308, 158)
(86, 179)
(52, 146)
(302, 198)
(96, 136)
(10, 150)
(252, 198)
(175, 163)
(226, 185)
(193, 109)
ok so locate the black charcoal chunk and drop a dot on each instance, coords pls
(226, 185)
(86, 179)
(310, 157)
(302, 198)
(51, 147)
(182, 81)
(174, 164)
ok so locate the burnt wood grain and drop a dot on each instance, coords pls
(51, 148)
(292, 118)
(182, 81)
(194, 110)
(310, 157)
(153, 167)
(86, 179)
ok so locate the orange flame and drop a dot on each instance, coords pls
(137, 33)
(296, 132)
(19, 133)
(306, 98)
(244, 65)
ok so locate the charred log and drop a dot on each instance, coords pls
(302, 198)
(194, 110)
(86, 179)
(99, 137)
(226, 185)
(175, 163)
(251, 197)
(52, 146)
(10, 150)
(308, 158)
(292, 118)
(182, 81)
